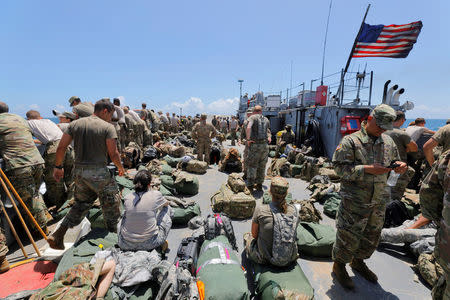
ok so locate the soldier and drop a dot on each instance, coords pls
(287, 137)
(203, 133)
(145, 115)
(154, 118)
(49, 134)
(94, 140)
(24, 165)
(131, 125)
(164, 121)
(258, 140)
(139, 128)
(64, 119)
(174, 123)
(118, 120)
(404, 144)
(81, 109)
(223, 126)
(363, 160)
(242, 139)
(234, 126)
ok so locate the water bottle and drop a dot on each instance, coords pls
(393, 177)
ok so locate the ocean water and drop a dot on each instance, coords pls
(432, 124)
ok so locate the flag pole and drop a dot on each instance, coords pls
(356, 40)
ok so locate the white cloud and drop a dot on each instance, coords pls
(60, 107)
(34, 106)
(196, 105)
(429, 112)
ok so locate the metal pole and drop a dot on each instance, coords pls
(303, 94)
(370, 88)
(325, 43)
(356, 40)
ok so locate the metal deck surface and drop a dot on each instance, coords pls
(397, 280)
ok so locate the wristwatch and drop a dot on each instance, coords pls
(58, 167)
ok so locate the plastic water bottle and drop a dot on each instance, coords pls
(393, 177)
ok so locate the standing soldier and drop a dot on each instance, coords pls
(435, 201)
(174, 123)
(164, 121)
(203, 133)
(234, 126)
(118, 120)
(223, 126)
(24, 165)
(131, 126)
(363, 161)
(154, 118)
(404, 144)
(94, 140)
(258, 140)
(243, 138)
(81, 109)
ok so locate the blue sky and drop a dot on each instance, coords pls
(191, 53)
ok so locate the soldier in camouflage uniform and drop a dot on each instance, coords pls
(362, 160)
(258, 140)
(131, 126)
(81, 109)
(94, 140)
(287, 137)
(203, 133)
(435, 202)
(242, 140)
(24, 165)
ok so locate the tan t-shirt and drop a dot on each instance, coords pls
(89, 135)
(264, 218)
(442, 136)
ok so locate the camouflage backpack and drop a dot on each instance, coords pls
(154, 166)
(220, 224)
(131, 155)
(429, 268)
(284, 247)
(279, 167)
(237, 184)
(236, 205)
(196, 166)
(177, 151)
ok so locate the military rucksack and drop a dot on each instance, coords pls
(150, 153)
(219, 224)
(131, 156)
(284, 247)
(176, 283)
(279, 167)
(429, 268)
(236, 183)
(236, 205)
(196, 166)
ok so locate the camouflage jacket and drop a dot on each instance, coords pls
(17, 147)
(359, 149)
(287, 136)
(203, 132)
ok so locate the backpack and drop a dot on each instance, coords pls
(131, 156)
(220, 224)
(396, 214)
(176, 283)
(235, 205)
(187, 253)
(236, 183)
(279, 167)
(196, 166)
(284, 247)
(177, 151)
(149, 154)
(315, 240)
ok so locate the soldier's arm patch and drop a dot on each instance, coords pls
(339, 147)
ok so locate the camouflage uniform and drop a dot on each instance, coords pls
(258, 151)
(361, 213)
(131, 126)
(3, 247)
(23, 165)
(287, 137)
(244, 155)
(139, 130)
(203, 133)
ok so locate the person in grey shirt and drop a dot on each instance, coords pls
(415, 131)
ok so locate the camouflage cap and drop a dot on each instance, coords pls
(73, 98)
(289, 126)
(384, 116)
(279, 186)
(203, 116)
(448, 121)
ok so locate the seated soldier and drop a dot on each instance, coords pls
(231, 163)
(146, 220)
(274, 229)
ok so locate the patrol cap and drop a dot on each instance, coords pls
(203, 116)
(65, 114)
(72, 99)
(448, 121)
(288, 126)
(384, 116)
(279, 186)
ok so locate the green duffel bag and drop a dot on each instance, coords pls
(282, 283)
(181, 216)
(267, 198)
(234, 205)
(331, 204)
(171, 161)
(315, 239)
(272, 154)
(295, 170)
(166, 169)
(165, 191)
(219, 269)
(95, 216)
(124, 182)
(185, 183)
(168, 182)
(64, 209)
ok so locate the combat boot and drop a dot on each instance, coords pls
(4, 265)
(342, 276)
(360, 266)
(259, 187)
(251, 188)
(56, 240)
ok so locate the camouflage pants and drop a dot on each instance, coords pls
(245, 162)
(233, 136)
(251, 249)
(122, 136)
(148, 138)
(3, 246)
(203, 151)
(68, 164)
(402, 182)
(360, 219)
(139, 131)
(27, 181)
(257, 157)
(90, 183)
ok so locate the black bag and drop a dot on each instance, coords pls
(233, 166)
(220, 224)
(187, 253)
(214, 157)
(149, 154)
(396, 214)
(183, 140)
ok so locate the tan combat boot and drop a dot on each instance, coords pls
(342, 276)
(360, 266)
(56, 240)
(4, 265)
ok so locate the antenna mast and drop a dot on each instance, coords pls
(325, 42)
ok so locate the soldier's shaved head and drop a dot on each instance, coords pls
(257, 109)
(33, 115)
(3, 107)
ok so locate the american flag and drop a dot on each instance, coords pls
(387, 41)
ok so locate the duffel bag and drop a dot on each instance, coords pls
(196, 166)
(177, 151)
(181, 216)
(185, 183)
(219, 271)
(171, 161)
(331, 204)
(315, 239)
(166, 169)
(235, 205)
(282, 283)
(295, 170)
